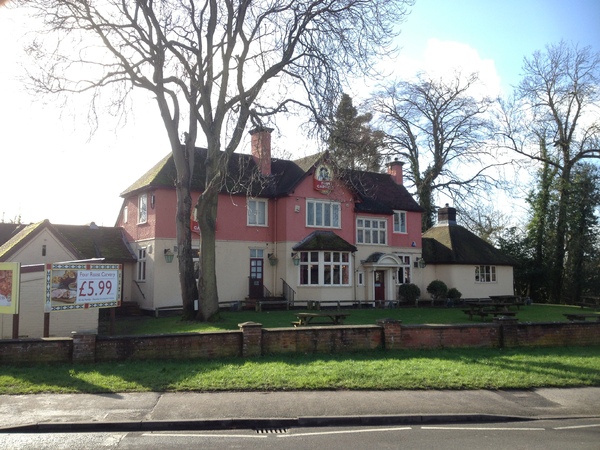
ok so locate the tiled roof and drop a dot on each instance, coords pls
(84, 241)
(92, 241)
(324, 240)
(375, 193)
(454, 244)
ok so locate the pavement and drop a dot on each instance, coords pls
(271, 410)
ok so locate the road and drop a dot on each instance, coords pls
(574, 434)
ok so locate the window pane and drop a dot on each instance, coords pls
(261, 219)
(252, 212)
(327, 215)
(319, 214)
(310, 213)
(336, 216)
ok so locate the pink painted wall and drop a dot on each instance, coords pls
(285, 224)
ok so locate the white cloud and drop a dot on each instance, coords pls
(445, 58)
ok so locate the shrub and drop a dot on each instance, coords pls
(409, 292)
(454, 294)
(437, 289)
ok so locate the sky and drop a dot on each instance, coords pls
(52, 169)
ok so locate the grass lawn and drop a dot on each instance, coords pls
(274, 319)
(515, 368)
(376, 370)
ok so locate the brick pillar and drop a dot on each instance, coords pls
(392, 333)
(84, 346)
(508, 331)
(252, 339)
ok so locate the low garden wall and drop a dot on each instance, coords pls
(254, 340)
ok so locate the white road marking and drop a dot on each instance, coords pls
(578, 426)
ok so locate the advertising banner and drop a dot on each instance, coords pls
(10, 279)
(82, 286)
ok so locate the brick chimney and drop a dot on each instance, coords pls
(261, 148)
(447, 215)
(395, 170)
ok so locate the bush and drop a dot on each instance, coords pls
(437, 289)
(454, 294)
(409, 292)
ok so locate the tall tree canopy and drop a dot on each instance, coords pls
(439, 128)
(353, 143)
(554, 121)
(211, 65)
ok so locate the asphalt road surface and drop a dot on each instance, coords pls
(572, 434)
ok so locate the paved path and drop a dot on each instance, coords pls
(153, 410)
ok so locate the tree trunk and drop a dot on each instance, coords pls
(207, 282)
(559, 246)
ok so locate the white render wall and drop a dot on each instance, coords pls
(462, 277)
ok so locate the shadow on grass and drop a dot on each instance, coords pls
(375, 370)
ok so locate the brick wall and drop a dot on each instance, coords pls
(253, 340)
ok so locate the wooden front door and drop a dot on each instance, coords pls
(256, 278)
(379, 283)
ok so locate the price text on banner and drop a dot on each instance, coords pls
(82, 286)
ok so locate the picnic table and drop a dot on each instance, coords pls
(488, 308)
(323, 318)
(582, 317)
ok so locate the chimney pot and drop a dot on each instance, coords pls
(395, 170)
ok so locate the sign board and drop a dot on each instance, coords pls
(10, 280)
(323, 178)
(71, 286)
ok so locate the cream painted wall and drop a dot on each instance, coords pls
(31, 252)
(462, 277)
(31, 313)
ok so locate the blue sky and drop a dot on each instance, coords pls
(49, 154)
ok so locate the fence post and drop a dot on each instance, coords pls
(392, 333)
(251, 339)
(84, 346)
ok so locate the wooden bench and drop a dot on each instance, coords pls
(582, 317)
(260, 304)
(331, 318)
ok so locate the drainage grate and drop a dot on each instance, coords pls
(271, 430)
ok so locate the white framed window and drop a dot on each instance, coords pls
(143, 208)
(257, 253)
(125, 214)
(399, 221)
(322, 213)
(403, 274)
(141, 264)
(371, 231)
(485, 274)
(324, 268)
(257, 213)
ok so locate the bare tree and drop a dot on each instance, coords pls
(554, 121)
(440, 129)
(212, 66)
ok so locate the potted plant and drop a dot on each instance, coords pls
(454, 296)
(409, 293)
(438, 290)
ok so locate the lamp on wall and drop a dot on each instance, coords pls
(169, 255)
(272, 259)
(296, 258)
(421, 263)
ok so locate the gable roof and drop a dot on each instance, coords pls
(83, 241)
(375, 193)
(453, 244)
(242, 176)
(324, 240)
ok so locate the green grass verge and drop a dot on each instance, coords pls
(520, 368)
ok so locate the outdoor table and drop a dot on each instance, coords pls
(484, 309)
(333, 318)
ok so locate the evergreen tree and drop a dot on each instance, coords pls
(353, 144)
